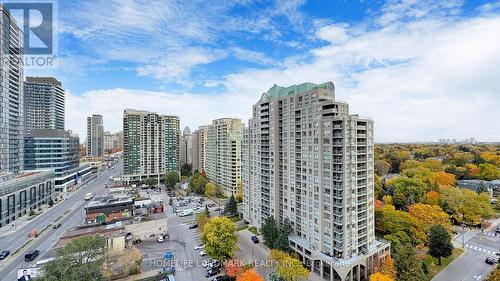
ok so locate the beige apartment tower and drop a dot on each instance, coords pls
(223, 154)
(200, 148)
(186, 147)
(307, 159)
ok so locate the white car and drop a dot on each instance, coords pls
(202, 253)
(199, 247)
(160, 239)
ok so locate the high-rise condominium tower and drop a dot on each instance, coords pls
(200, 148)
(307, 159)
(43, 103)
(11, 95)
(223, 156)
(95, 136)
(151, 144)
(186, 148)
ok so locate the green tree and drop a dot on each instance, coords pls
(439, 242)
(281, 242)
(231, 207)
(270, 231)
(389, 220)
(378, 187)
(197, 183)
(220, 238)
(207, 212)
(488, 172)
(80, 259)
(398, 240)
(186, 170)
(210, 189)
(150, 182)
(408, 266)
(51, 202)
(466, 205)
(171, 178)
(382, 167)
(408, 191)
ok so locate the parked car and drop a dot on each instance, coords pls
(193, 226)
(199, 247)
(212, 272)
(218, 209)
(202, 253)
(57, 225)
(490, 260)
(214, 265)
(221, 278)
(497, 230)
(31, 255)
(4, 254)
(208, 263)
(255, 239)
(160, 239)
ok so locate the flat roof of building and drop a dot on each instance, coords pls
(109, 201)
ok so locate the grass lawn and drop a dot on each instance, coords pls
(432, 263)
(235, 218)
(254, 230)
(243, 227)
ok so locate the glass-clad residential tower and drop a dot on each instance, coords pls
(11, 95)
(307, 159)
(151, 144)
(43, 103)
(95, 136)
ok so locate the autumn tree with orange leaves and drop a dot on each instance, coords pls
(249, 275)
(377, 276)
(432, 198)
(386, 267)
(233, 268)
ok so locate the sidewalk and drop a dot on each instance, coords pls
(25, 219)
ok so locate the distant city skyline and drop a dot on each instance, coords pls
(406, 64)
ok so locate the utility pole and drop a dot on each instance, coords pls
(463, 235)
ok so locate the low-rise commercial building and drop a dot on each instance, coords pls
(109, 208)
(23, 192)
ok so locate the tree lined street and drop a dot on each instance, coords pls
(74, 203)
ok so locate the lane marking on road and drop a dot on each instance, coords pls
(473, 268)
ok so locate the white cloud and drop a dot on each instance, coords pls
(422, 80)
(420, 71)
(178, 64)
(193, 109)
(251, 56)
(333, 33)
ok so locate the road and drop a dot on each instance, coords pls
(471, 266)
(74, 203)
(258, 253)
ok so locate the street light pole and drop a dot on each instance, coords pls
(463, 235)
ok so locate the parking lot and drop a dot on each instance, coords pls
(182, 240)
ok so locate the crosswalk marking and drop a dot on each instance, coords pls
(476, 248)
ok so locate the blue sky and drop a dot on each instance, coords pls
(423, 70)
